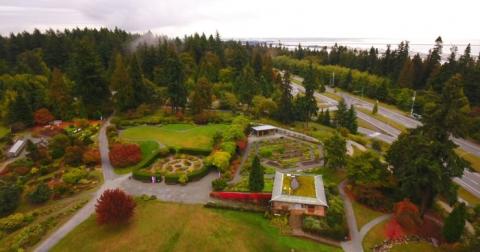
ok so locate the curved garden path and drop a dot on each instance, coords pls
(355, 243)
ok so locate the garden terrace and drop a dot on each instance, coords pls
(286, 152)
(176, 136)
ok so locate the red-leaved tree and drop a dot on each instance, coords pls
(407, 215)
(123, 155)
(114, 207)
(91, 157)
(43, 116)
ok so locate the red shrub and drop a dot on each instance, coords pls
(244, 197)
(43, 116)
(407, 215)
(123, 155)
(393, 230)
(91, 157)
(242, 144)
(114, 207)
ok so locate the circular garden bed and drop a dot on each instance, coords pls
(181, 163)
(179, 168)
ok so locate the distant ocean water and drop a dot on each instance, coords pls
(416, 46)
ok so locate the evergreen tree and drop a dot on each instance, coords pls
(20, 111)
(202, 96)
(60, 96)
(335, 152)
(326, 119)
(418, 72)
(341, 116)
(285, 105)
(175, 82)
(375, 108)
(306, 106)
(455, 223)
(245, 85)
(256, 180)
(87, 72)
(10, 195)
(122, 84)
(141, 92)
(405, 78)
(352, 125)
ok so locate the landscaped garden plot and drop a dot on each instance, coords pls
(187, 136)
(286, 153)
(178, 164)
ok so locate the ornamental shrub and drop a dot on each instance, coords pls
(74, 175)
(219, 184)
(455, 224)
(41, 194)
(124, 155)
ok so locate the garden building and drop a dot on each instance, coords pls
(298, 194)
(16, 148)
(264, 130)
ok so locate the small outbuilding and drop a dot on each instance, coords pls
(298, 194)
(264, 130)
(16, 148)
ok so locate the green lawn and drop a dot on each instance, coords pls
(364, 214)
(474, 160)
(3, 131)
(159, 226)
(334, 176)
(470, 198)
(416, 246)
(384, 119)
(375, 236)
(176, 135)
(149, 149)
(306, 186)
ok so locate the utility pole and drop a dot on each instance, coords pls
(413, 102)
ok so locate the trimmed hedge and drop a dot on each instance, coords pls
(145, 176)
(193, 151)
(193, 176)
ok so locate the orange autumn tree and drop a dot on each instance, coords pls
(123, 155)
(114, 207)
(43, 116)
(91, 157)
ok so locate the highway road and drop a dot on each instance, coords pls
(470, 180)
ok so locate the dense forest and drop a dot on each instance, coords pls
(90, 73)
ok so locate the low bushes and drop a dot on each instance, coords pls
(193, 151)
(193, 176)
(321, 227)
(74, 175)
(144, 176)
(14, 222)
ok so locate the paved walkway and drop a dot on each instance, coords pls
(355, 243)
(193, 193)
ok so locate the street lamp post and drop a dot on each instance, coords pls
(413, 102)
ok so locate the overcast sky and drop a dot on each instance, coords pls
(404, 19)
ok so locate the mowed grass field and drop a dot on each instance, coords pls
(159, 226)
(176, 135)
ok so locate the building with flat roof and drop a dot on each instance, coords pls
(264, 130)
(16, 148)
(298, 194)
